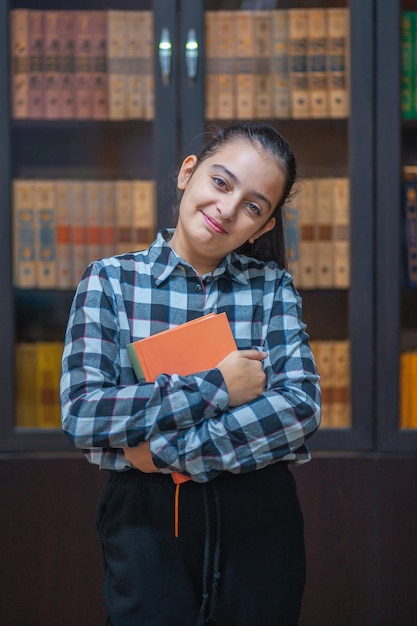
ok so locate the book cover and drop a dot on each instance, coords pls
(66, 27)
(19, 54)
(341, 232)
(297, 50)
(116, 61)
(245, 64)
(124, 215)
(226, 65)
(280, 67)
(36, 65)
(24, 257)
(63, 234)
(143, 214)
(52, 70)
(99, 96)
(195, 346)
(338, 62)
(211, 70)
(307, 220)
(263, 57)
(83, 64)
(324, 219)
(45, 233)
(317, 41)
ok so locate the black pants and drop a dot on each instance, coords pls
(238, 561)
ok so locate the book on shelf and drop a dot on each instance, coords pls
(36, 65)
(45, 233)
(135, 49)
(93, 211)
(143, 214)
(211, 46)
(279, 65)
(78, 230)
(83, 64)
(66, 27)
(24, 245)
(409, 230)
(108, 218)
(292, 240)
(307, 220)
(63, 234)
(124, 216)
(297, 53)
(195, 346)
(317, 55)
(52, 70)
(245, 64)
(99, 87)
(38, 371)
(324, 240)
(408, 389)
(263, 56)
(116, 63)
(408, 64)
(338, 62)
(147, 74)
(225, 64)
(19, 55)
(341, 232)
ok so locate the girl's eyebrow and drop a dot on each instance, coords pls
(235, 179)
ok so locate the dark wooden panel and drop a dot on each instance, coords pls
(338, 498)
(50, 553)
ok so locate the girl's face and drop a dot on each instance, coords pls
(227, 200)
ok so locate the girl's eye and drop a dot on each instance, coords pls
(219, 182)
(253, 208)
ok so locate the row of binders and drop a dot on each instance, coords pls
(82, 64)
(283, 63)
(60, 226)
(317, 231)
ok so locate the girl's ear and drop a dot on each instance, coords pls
(265, 229)
(186, 170)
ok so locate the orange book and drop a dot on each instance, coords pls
(173, 351)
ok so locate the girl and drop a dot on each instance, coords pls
(239, 557)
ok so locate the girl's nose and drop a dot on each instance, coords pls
(227, 208)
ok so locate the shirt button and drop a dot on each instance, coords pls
(198, 287)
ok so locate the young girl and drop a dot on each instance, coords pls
(239, 557)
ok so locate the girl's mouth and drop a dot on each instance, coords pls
(214, 225)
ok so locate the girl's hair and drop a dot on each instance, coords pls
(271, 245)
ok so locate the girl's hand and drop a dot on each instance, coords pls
(244, 375)
(141, 457)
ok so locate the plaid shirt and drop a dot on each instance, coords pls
(188, 419)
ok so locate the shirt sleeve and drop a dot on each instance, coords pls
(273, 426)
(102, 404)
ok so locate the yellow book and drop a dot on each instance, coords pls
(225, 63)
(324, 250)
(19, 55)
(245, 64)
(280, 69)
(24, 244)
(405, 389)
(338, 61)
(263, 57)
(341, 232)
(25, 385)
(45, 233)
(340, 412)
(116, 63)
(143, 214)
(297, 51)
(413, 388)
(307, 220)
(317, 41)
(48, 374)
(211, 71)
(124, 216)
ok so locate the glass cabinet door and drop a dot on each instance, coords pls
(306, 68)
(397, 226)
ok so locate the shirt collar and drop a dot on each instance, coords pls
(163, 261)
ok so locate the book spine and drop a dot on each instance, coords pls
(211, 70)
(410, 233)
(407, 65)
(36, 65)
(116, 59)
(341, 385)
(124, 217)
(263, 56)
(47, 376)
(297, 40)
(245, 64)
(323, 354)
(338, 62)
(143, 214)
(83, 64)
(341, 232)
(108, 218)
(324, 212)
(307, 206)
(45, 233)
(317, 41)
(147, 30)
(406, 385)
(280, 68)
(99, 104)
(24, 262)
(26, 393)
(78, 230)
(226, 65)
(135, 63)
(413, 391)
(52, 70)
(93, 206)
(63, 234)
(66, 28)
(19, 28)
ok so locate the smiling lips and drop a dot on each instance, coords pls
(214, 225)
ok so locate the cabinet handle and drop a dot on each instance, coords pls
(165, 55)
(191, 54)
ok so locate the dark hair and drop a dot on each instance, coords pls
(271, 245)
